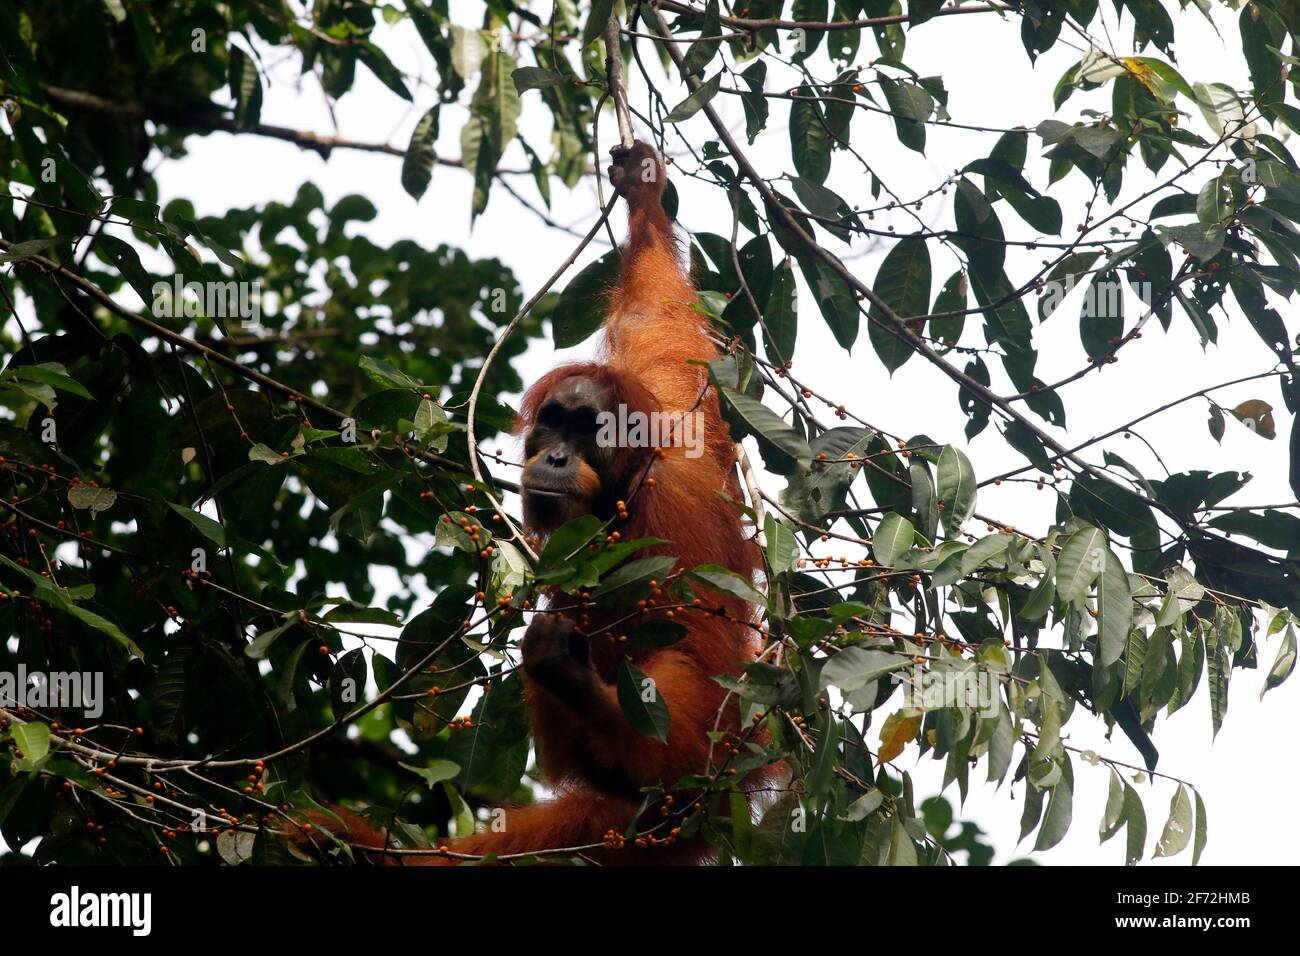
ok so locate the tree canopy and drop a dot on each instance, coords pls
(250, 463)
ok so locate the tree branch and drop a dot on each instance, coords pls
(203, 119)
(888, 316)
(211, 354)
(775, 23)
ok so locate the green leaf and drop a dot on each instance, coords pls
(819, 200)
(245, 88)
(1216, 423)
(703, 50)
(864, 806)
(956, 489)
(893, 538)
(1044, 593)
(210, 529)
(1217, 669)
(1063, 279)
(782, 547)
(642, 704)
(1191, 664)
(1202, 829)
(781, 316)
(104, 626)
(1283, 664)
(435, 772)
(594, 28)
(1221, 107)
(903, 283)
(951, 298)
(1214, 203)
(535, 78)
(421, 155)
(815, 11)
(727, 581)
(1135, 818)
(855, 667)
(428, 416)
(902, 851)
(262, 643)
(1112, 820)
(1056, 821)
(911, 106)
(48, 373)
(1081, 561)
(1202, 240)
(350, 613)
(766, 424)
(378, 63)
(265, 454)
(835, 298)
(383, 373)
(580, 311)
(695, 102)
(1135, 655)
(809, 142)
(658, 632)
(33, 739)
(634, 573)
(754, 102)
(1002, 745)
(919, 11)
(461, 814)
(1114, 608)
(468, 49)
(1101, 319)
(566, 541)
(983, 551)
(31, 247)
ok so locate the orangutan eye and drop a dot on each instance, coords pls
(551, 415)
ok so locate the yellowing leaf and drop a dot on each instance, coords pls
(900, 727)
(1143, 74)
(1257, 415)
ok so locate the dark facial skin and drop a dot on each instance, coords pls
(564, 465)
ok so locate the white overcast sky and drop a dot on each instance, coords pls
(1251, 768)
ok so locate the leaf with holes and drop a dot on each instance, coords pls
(1178, 828)
(1257, 415)
(87, 497)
